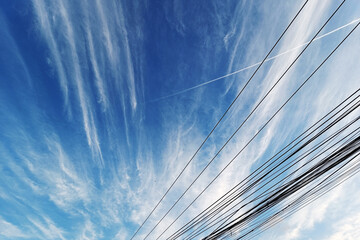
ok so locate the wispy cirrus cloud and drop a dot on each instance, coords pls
(302, 32)
(44, 22)
(10, 230)
(73, 68)
(105, 61)
(347, 228)
(48, 229)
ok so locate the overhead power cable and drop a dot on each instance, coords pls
(227, 110)
(265, 182)
(302, 136)
(260, 196)
(228, 201)
(303, 197)
(158, 222)
(340, 43)
(331, 164)
(274, 186)
(344, 177)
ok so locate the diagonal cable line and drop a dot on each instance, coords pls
(295, 161)
(298, 158)
(336, 174)
(346, 176)
(238, 95)
(245, 122)
(354, 137)
(356, 131)
(274, 184)
(294, 152)
(329, 163)
(266, 162)
(305, 81)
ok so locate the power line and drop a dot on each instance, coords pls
(340, 158)
(266, 162)
(336, 48)
(242, 183)
(293, 153)
(238, 95)
(244, 123)
(267, 192)
(352, 171)
(294, 161)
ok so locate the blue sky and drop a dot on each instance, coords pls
(98, 110)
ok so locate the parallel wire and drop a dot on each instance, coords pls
(321, 168)
(260, 222)
(246, 120)
(267, 192)
(338, 45)
(292, 162)
(207, 137)
(225, 204)
(232, 103)
(296, 160)
(353, 172)
(343, 177)
(226, 196)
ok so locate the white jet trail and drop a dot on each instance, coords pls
(253, 65)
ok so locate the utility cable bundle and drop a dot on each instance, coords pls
(313, 163)
(279, 168)
(216, 125)
(271, 118)
(330, 169)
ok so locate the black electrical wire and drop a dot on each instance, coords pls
(296, 184)
(158, 222)
(299, 205)
(287, 167)
(300, 141)
(239, 152)
(350, 33)
(299, 159)
(352, 171)
(232, 103)
(295, 188)
(315, 176)
(307, 130)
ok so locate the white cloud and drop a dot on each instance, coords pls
(48, 229)
(10, 230)
(100, 83)
(72, 65)
(347, 228)
(90, 232)
(44, 21)
(128, 195)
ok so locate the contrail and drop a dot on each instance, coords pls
(251, 66)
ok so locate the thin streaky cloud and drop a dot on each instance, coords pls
(99, 80)
(43, 18)
(120, 21)
(106, 32)
(109, 54)
(88, 118)
(10, 230)
(253, 65)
